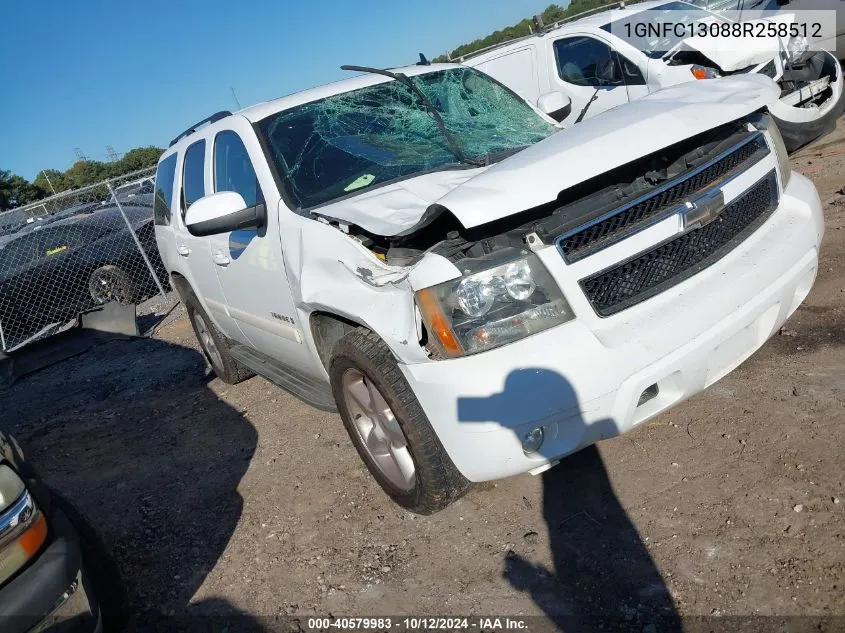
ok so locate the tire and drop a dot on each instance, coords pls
(110, 283)
(100, 568)
(214, 345)
(797, 135)
(435, 482)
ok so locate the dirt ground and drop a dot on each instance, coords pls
(220, 499)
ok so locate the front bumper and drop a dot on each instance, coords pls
(52, 592)
(582, 381)
(797, 115)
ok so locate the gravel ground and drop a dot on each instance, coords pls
(219, 499)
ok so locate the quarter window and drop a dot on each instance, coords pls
(165, 175)
(233, 169)
(193, 175)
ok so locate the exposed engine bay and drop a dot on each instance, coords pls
(574, 206)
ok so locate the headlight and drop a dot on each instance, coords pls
(497, 301)
(23, 528)
(702, 72)
(11, 487)
(797, 46)
(765, 122)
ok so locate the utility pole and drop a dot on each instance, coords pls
(48, 181)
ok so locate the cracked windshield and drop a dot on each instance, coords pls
(348, 142)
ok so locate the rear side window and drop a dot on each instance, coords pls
(193, 174)
(165, 175)
(233, 169)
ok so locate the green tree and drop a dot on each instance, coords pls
(137, 158)
(86, 172)
(5, 189)
(24, 191)
(56, 179)
(524, 27)
(16, 191)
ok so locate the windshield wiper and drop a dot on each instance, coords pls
(438, 120)
(586, 107)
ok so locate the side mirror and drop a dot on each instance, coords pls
(607, 72)
(223, 212)
(556, 104)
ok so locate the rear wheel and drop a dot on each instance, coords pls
(214, 344)
(110, 283)
(388, 427)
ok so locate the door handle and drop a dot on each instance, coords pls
(220, 258)
(184, 251)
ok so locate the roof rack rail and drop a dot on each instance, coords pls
(478, 51)
(550, 27)
(207, 121)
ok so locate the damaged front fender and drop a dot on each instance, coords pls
(331, 272)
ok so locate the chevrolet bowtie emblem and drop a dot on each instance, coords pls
(702, 210)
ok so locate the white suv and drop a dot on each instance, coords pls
(477, 291)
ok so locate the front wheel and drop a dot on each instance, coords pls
(388, 427)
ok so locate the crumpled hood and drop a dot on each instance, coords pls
(537, 174)
(735, 53)
(397, 207)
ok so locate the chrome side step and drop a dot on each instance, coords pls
(310, 390)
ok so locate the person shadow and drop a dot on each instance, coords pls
(132, 435)
(603, 577)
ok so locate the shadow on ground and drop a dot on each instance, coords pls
(604, 577)
(160, 483)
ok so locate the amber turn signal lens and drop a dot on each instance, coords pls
(433, 315)
(699, 73)
(14, 555)
(34, 537)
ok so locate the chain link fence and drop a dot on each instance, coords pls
(75, 251)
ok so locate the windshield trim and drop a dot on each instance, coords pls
(281, 178)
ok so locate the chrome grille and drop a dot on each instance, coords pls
(668, 264)
(658, 204)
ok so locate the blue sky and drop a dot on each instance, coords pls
(126, 74)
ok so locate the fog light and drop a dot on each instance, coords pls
(533, 440)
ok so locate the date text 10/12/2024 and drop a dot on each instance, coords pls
(417, 624)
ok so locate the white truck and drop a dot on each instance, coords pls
(478, 292)
(583, 66)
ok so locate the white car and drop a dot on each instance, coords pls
(478, 292)
(834, 43)
(593, 64)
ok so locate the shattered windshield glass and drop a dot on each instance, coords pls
(354, 140)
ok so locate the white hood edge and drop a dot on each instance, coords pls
(735, 53)
(537, 174)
